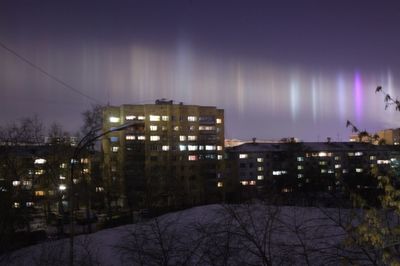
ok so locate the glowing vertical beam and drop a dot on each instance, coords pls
(389, 83)
(358, 96)
(341, 97)
(314, 99)
(239, 88)
(294, 98)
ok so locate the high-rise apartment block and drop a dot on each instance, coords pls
(171, 156)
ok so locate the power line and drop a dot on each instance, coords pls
(66, 85)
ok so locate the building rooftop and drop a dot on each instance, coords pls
(311, 146)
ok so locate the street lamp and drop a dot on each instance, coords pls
(83, 143)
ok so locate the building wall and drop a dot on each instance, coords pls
(308, 168)
(171, 156)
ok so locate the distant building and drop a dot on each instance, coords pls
(35, 178)
(389, 136)
(309, 168)
(172, 156)
(236, 142)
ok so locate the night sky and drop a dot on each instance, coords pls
(278, 68)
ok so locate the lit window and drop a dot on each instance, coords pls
(219, 157)
(300, 159)
(114, 149)
(244, 183)
(322, 154)
(372, 158)
(382, 161)
(154, 118)
(350, 154)
(300, 167)
(243, 156)
(16, 205)
(114, 139)
(62, 177)
(330, 171)
(206, 127)
(300, 176)
(260, 168)
(260, 177)
(218, 120)
(192, 128)
(192, 118)
(165, 118)
(29, 204)
(130, 117)
(39, 172)
(114, 119)
(192, 157)
(141, 137)
(220, 184)
(62, 187)
(219, 148)
(276, 172)
(154, 138)
(210, 147)
(16, 183)
(85, 170)
(141, 117)
(323, 171)
(182, 147)
(27, 183)
(252, 182)
(165, 148)
(260, 160)
(176, 128)
(322, 163)
(337, 166)
(40, 161)
(359, 170)
(192, 147)
(153, 128)
(192, 138)
(99, 189)
(85, 160)
(182, 138)
(358, 153)
(39, 193)
(345, 171)
(337, 158)
(63, 165)
(201, 147)
(130, 137)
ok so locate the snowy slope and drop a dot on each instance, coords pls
(209, 235)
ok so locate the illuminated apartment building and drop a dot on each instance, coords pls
(171, 156)
(309, 168)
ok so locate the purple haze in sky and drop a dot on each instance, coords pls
(279, 69)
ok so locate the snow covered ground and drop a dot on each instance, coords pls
(253, 234)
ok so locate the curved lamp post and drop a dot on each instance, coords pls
(83, 143)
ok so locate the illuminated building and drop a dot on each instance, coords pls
(171, 156)
(313, 169)
(34, 178)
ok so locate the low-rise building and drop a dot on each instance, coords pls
(308, 168)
